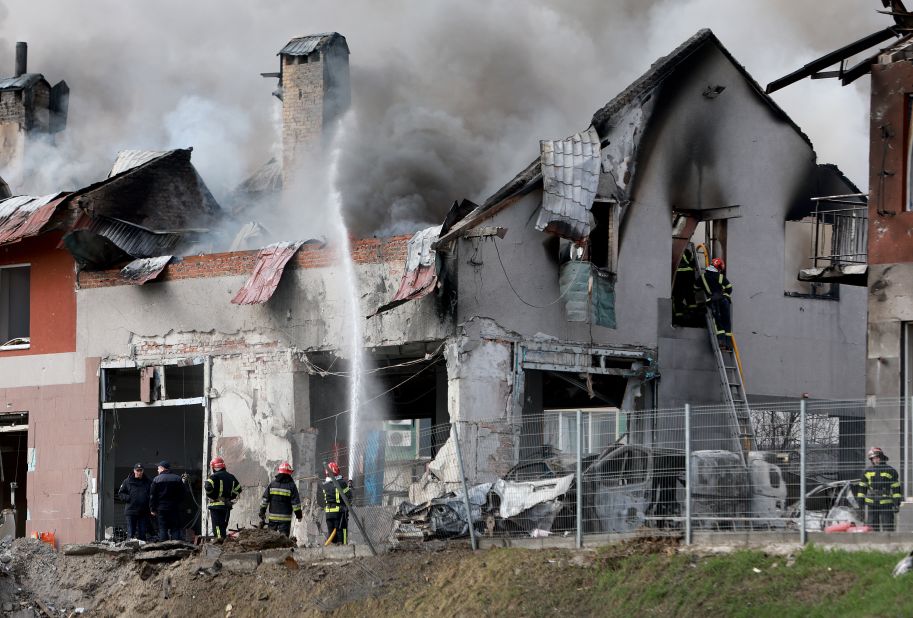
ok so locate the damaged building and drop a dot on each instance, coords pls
(29, 108)
(554, 294)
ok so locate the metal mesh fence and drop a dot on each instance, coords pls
(603, 471)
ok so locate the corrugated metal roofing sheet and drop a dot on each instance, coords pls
(420, 277)
(304, 45)
(26, 80)
(132, 239)
(263, 282)
(26, 215)
(570, 177)
(129, 159)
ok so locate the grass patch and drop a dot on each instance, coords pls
(650, 579)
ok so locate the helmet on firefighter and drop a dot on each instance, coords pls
(718, 263)
(876, 451)
(284, 468)
(217, 463)
(334, 468)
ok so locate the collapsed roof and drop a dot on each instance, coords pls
(149, 205)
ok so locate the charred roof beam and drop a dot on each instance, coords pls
(833, 58)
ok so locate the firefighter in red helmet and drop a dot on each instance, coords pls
(282, 500)
(335, 492)
(879, 489)
(222, 489)
(718, 293)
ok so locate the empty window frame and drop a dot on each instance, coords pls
(798, 254)
(14, 306)
(603, 242)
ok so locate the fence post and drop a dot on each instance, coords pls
(579, 479)
(687, 474)
(803, 534)
(908, 444)
(466, 503)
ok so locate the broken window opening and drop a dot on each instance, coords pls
(801, 240)
(147, 436)
(403, 398)
(150, 384)
(602, 246)
(15, 307)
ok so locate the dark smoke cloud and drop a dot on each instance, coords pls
(449, 98)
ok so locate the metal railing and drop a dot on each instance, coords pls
(840, 235)
(583, 472)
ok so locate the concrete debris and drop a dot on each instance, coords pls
(162, 555)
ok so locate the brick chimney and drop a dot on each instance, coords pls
(314, 89)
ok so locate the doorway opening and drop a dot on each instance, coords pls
(150, 414)
(13, 473)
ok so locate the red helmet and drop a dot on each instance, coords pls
(217, 463)
(284, 468)
(718, 263)
(876, 451)
(334, 468)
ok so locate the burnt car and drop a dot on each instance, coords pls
(829, 504)
(619, 487)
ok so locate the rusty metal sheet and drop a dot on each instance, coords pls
(23, 216)
(420, 276)
(140, 271)
(263, 282)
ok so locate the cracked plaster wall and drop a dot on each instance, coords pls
(260, 411)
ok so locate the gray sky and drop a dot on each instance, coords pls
(451, 98)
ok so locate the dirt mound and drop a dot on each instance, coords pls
(256, 539)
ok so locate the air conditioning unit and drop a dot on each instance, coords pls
(399, 438)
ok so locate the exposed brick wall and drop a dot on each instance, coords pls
(364, 251)
(302, 108)
(11, 108)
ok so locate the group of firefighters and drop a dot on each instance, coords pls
(878, 490)
(162, 497)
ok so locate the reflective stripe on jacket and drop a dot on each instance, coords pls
(281, 499)
(332, 500)
(715, 286)
(880, 485)
(222, 489)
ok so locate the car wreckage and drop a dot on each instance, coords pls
(624, 488)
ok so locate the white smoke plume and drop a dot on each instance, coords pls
(449, 98)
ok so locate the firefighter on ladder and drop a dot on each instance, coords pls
(880, 490)
(683, 296)
(222, 489)
(282, 500)
(334, 506)
(718, 292)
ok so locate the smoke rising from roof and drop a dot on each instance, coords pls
(449, 99)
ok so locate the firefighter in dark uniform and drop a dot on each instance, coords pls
(334, 506)
(718, 292)
(683, 297)
(281, 499)
(880, 490)
(222, 489)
